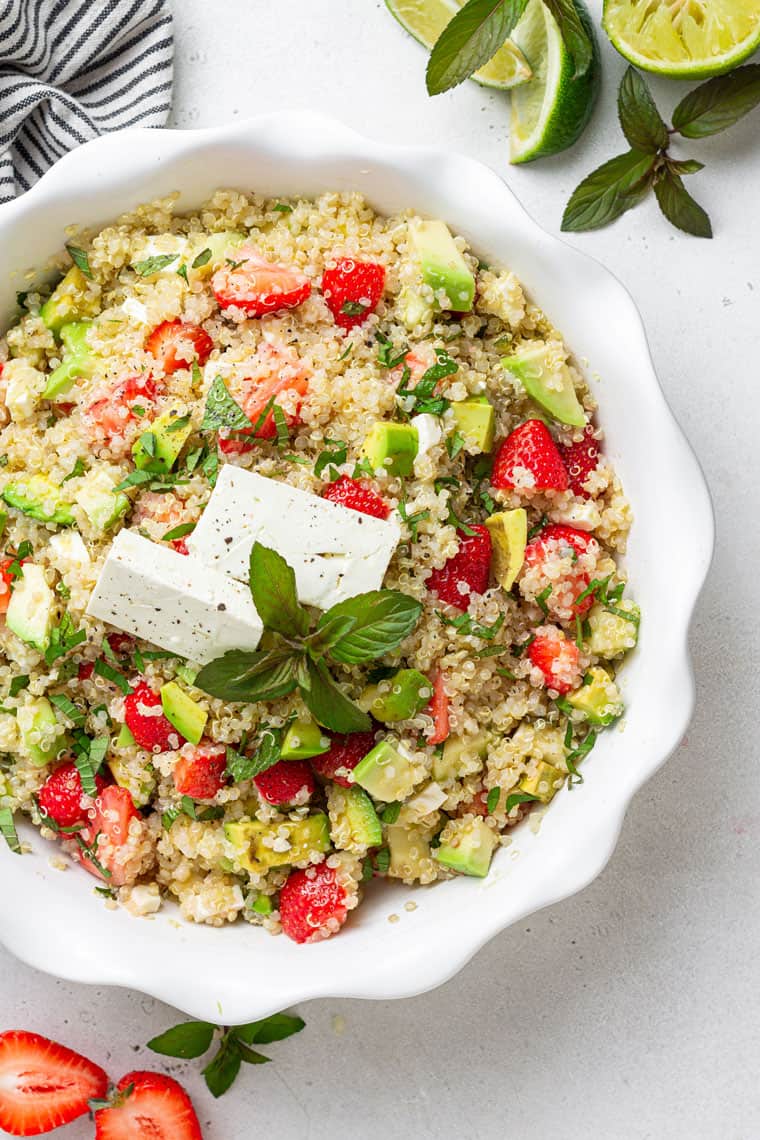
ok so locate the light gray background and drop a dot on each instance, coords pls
(630, 1011)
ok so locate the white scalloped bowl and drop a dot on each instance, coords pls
(240, 973)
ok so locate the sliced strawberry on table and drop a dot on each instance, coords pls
(580, 460)
(466, 572)
(557, 658)
(176, 344)
(106, 835)
(357, 496)
(562, 542)
(345, 751)
(148, 1106)
(285, 780)
(144, 717)
(61, 796)
(528, 461)
(352, 290)
(257, 286)
(201, 769)
(312, 904)
(43, 1085)
(438, 709)
(112, 413)
(276, 373)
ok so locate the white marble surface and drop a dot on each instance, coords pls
(631, 1010)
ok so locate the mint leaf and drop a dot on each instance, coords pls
(242, 767)
(187, 1040)
(719, 103)
(8, 830)
(178, 532)
(329, 631)
(641, 121)
(684, 165)
(80, 259)
(244, 676)
(202, 259)
(274, 1028)
(679, 207)
(518, 798)
(155, 264)
(273, 588)
(221, 410)
(220, 1072)
(382, 619)
(473, 37)
(609, 191)
(577, 37)
(328, 703)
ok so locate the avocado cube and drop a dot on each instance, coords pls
(409, 848)
(545, 783)
(31, 608)
(303, 739)
(77, 360)
(159, 446)
(387, 772)
(183, 712)
(39, 498)
(140, 785)
(548, 382)
(391, 447)
(398, 697)
(476, 423)
(460, 756)
(598, 698)
(71, 300)
(509, 536)
(469, 847)
(254, 842)
(262, 904)
(41, 731)
(221, 246)
(442, 266)
(125, 739)
(612, 635)
(97, 498)
(354, 823)
(416, 311)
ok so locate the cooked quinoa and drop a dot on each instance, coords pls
(523, 622)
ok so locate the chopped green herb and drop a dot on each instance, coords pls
(541, 600)
(196, 374)
(77, 470)
(210, 467)
(8, 830)
(90, 851)
(103, 669)
(518, 798)
(391, 813)
(422, 398)
(386, 357)
(178, 532)
(468, 627)
(597, 587)
(629, 615)
(367, 871)
(353, 308)
(107, 893)
(21, 299)
(179, 424)
(460, 524)
(182, 272)
(86, 774)
(345, 355)
(492, 651)
(68, 708)
(578, 631)
(155, 264)
(335, 452)
(202, 259)
(382, 860)
(454, 444)
(282, 208)
(506, 673)
(363, 467)
(17, 684)
(282, 435)
(98, 750)
(63, 639)
(3, 522)
(444, 482)
(3, 460)
(577, 754)
(148, 443)
(139, 410)
(80, 259)
(492, 800)
(235, 264)
(518, 650)
(534, 530)
(412, 521)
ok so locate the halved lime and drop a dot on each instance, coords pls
(550, 112)
(426, 19)
(684, 39)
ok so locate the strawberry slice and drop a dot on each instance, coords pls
(581, 459)
(357, 496)
(466, 572)
(312, 904)
(549, 551)
(201, 770)
(107, 835)
(112, 413)
(284, 781)
(438, 709)
(176, 344)
(144, 717)
(257, 286)
(352, 289)
(148, 1106)
(7, 580)
(61, 796)
(43, 1085)
(557, 658)
(528, 461)
(345, 751)
(275, 373)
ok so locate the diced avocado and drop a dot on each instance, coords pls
(97, 499)
(31, 608)
(476, 422)
(41, 731)
(391, 447)
(125, 737)
(442, 265)
(548, 382)
(253, 841)
(77, 360)
(303, 739)
(38, 497)
(410, 853)
(598, 698)
(221, 245)
(70, 301)
(415, 311)
(546, 782)
(509, 535)
(469, 848)
(183, 712)
(159, 446)
(611, 634)
(461, 756)
(262, 904)
(398, 697)
(354, 824)
(140, 784)
(387, 772)
(186, 673)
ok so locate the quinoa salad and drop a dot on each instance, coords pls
(309, 560)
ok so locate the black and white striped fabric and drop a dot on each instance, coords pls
(72, 69)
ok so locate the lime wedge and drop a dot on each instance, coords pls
(688, 39)
(550, 112)
(426, 19)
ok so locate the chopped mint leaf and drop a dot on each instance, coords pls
(80, 259)
(155, 264)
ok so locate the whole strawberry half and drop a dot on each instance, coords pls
(60, 797)
(176, 344)
(312, 904)
(580, 460)
(285, 780)
(558, 660)
(352, 290)
(201, 770)
(466, 572)
(43, 1085)
(147, 723)
(148, 1106)
(528, 460)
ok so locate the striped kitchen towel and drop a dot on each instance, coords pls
(72, 69)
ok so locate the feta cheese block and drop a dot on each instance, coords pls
(336, 553)
(173, 600)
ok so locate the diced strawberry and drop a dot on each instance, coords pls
(201, 770)
(528, 461)
(6, 581)
(580, 460)
(557, 658)
(344, 753)
(107, 833)
(352, 290)
(274, 372)
(467, 569)
(257, 286)
(179, 545)
(148, 1106)
(438, 709)
(312, 904)
(114, 412)
(120, 644)
(61, 796)
(144, 717)
(43, 1085)
(85, 670)
(357, 496)
(285, 780)
(176, 344)
(560, 541)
